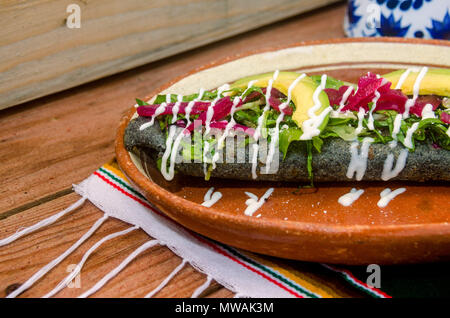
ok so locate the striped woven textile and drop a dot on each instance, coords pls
(309, 280)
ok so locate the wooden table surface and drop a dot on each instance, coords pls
(51, 143)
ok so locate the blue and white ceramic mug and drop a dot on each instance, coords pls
(428, 19)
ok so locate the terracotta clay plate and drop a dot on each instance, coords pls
(309, 225)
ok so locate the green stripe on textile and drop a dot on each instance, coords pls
(269, 271)
(360, 287)
(252, 262)
(121, 182)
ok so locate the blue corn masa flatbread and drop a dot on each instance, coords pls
(390, 127)
(426, 163)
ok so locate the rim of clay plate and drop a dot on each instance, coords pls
(170, 201)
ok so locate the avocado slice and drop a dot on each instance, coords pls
(435, 82)
(302, 94)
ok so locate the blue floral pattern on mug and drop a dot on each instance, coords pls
(429, 19)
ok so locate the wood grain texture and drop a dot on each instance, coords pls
(21, 259)
(49, 144)
(40, 55)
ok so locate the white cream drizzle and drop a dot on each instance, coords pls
(402, 78)
(174, 148)
(344, 98)
(232, 122)
(362, 113)
(409, 133)
(358, 162)
(191, 104)
(209, 116)
(388, 172)
(345, 115)
(168, 175)
(257, 134)
(249, 85)
(253, 203)
(226, 132)
(205, 152)
(416, 88)
(276, 135)
(176, 108)
(360, 127)
(397, 126)
(210, 111)
(387, 195)
(275, 74)
(348, 198)
(158, 112)
(252, 196)
(427, 112)
(174, 152)
(254, 159)
(310, 127)
(370, 122)
(266, 107)
(211, 197)
(230, 125)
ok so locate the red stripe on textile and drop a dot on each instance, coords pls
(250, 268)
(126, 193)
(375, 290)
(198, 238)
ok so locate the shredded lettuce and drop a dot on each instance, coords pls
(341, 126)
(331, 82)
(286, 137)
(309, 145)
(207, 95)
(317, 143)
(140, 102)
(344, 131)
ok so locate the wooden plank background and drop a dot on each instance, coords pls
(48, 144)
(40, 55)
